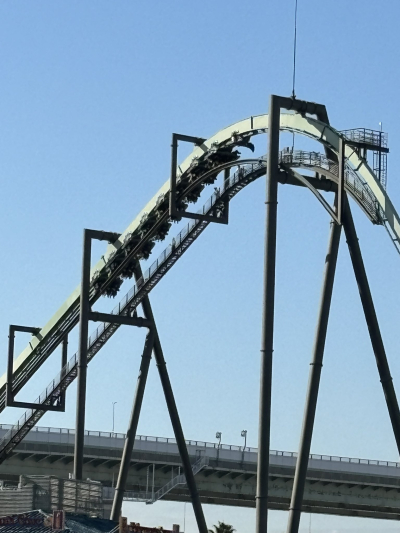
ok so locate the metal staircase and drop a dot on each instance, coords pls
(375, 140)
(151, 497)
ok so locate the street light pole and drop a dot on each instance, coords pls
(218, 436)
(113, 408)
(244, 434)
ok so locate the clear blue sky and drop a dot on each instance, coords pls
(90, 93)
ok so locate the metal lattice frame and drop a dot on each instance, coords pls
(343, 169)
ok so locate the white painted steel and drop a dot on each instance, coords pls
(255, 125)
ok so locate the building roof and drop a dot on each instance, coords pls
(34, 522)
(85, 524)
(30, 522)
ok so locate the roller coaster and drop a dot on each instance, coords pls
(353, 162)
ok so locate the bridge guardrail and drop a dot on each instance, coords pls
(203, 444)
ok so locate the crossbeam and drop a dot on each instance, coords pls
(10, 396)
(174, 212)
(153, 343)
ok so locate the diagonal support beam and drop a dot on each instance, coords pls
(306, 182)
(372, 321)
(133, 424)
(174, 415)
(314, 379)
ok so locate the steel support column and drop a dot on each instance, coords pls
(341, 200)
(372, 322)
(174, 163)
(82, 356)
(314, 380)
(84, 317)
(64, 361)
(268, 316)
(174, 415)
(10, 366)
(133, 423)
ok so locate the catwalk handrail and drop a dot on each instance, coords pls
(217, 146)
(204, 444)
(245, 175)
(131, 300)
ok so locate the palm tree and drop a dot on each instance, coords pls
(222, 528)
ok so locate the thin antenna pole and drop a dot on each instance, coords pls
(294, 50)
(294, 60)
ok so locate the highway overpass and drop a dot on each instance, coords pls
(226, 476)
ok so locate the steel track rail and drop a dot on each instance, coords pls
(71, 319)
(243, 177)
(129, 303)
(203, 160)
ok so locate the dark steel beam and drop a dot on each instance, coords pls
(133, 424)
(141, 466)
(31, 405)
(174, 212)
(99, 235)
(368, 146)
(341, 176)
(268, 316)
(53, 458)
(98, 462)
(82, 355)
(84, 317)
(24, 456)
(110, 463)
(288, 178)
(172, 187)
(10, 401)
(206, 218)
(64, 361)
(10, 360)
(174, 415)
(42, 458)
(273, 175)
(314, 380)
(306, 183)
(372, 322)
(119, 319)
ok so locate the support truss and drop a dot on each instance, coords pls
(175, 213)
(175, 202)
(87, 314)
(10, 395)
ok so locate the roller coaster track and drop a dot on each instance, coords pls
(153, 223)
